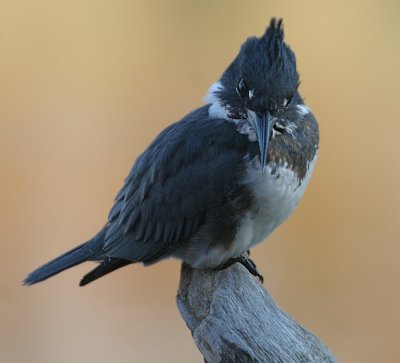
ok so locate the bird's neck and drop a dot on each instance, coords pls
(217, 109)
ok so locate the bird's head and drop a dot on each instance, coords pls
(259, 86)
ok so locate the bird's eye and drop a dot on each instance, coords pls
(278, 127)
(286, 101)
(242, 89)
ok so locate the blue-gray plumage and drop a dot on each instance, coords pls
(217, 182)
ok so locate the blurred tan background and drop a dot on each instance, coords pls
(86, 85)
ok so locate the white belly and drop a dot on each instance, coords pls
(275, 197)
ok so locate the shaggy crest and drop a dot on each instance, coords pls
(266, 66)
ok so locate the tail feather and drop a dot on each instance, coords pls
(86, 251)
(108, 265)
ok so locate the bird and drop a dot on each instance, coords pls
(218, 182)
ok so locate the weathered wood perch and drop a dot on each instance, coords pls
(234, 319)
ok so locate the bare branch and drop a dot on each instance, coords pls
(234, 319)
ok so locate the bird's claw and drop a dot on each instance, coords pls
(246, 262)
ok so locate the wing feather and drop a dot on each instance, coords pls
(189, 168)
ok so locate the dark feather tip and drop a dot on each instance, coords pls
(275, 28)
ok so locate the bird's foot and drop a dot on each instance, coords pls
(246, 262)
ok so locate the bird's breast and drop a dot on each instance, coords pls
(275, 193)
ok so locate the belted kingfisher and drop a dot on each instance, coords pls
(220, 180)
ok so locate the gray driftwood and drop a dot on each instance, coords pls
(234, 319)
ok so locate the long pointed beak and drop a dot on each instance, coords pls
(263, 125)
